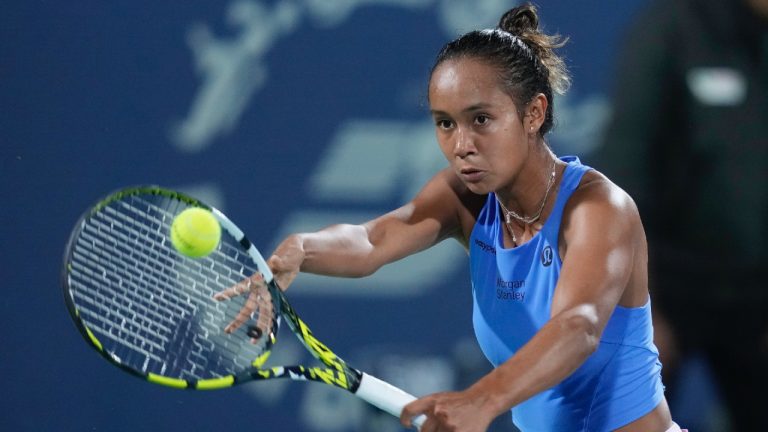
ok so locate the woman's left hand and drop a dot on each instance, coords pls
(450, 411)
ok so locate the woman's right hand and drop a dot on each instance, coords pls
(286, 261)
(285, 264)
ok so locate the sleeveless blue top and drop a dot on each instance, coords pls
(513, 291)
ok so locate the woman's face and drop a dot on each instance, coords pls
(478, 126)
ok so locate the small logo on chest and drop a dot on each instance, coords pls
(547, 255)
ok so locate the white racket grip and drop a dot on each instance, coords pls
(386, 397)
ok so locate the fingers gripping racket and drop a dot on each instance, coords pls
(151, 311)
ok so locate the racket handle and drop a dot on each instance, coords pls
(386, 397)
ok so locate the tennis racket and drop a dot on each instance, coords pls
(151, 311)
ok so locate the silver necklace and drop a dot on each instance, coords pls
(512, 233)
(509, 214)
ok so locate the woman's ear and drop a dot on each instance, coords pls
(536, 113)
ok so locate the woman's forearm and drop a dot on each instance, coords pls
(554, 353)
(338, 250)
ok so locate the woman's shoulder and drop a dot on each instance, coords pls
(597, 198)
(600, 215)
(450, 186)
(446, 198)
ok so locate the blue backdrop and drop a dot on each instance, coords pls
(288, 115)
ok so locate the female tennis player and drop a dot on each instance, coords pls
(558, 255)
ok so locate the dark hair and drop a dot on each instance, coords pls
(524, 55)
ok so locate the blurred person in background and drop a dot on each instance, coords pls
(689, 141)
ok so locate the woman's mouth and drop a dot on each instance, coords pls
(471, 175)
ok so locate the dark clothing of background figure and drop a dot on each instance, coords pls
(689, 141)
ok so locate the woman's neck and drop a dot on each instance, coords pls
(524, 195)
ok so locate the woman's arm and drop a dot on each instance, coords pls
(601, 232)
(359, 250)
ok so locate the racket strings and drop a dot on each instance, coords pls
(155, 307)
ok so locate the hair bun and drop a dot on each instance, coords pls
(520, 20)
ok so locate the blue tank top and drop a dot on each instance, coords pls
(513, 291)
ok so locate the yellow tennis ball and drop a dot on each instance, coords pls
(195, 232)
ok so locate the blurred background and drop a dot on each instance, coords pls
(288, 115)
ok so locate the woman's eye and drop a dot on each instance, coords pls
(444, 124)
(481, 119)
